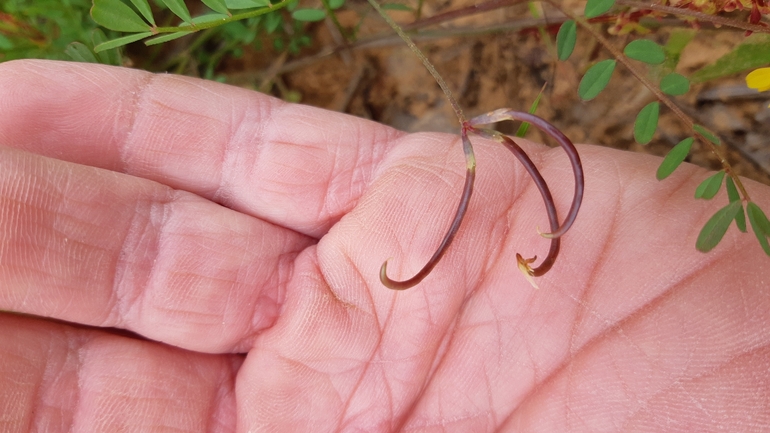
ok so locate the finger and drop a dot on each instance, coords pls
(106, 249)
(56, 377)
(289, 164)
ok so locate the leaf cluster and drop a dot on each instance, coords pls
(662, 61)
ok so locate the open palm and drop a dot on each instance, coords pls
(196, 222)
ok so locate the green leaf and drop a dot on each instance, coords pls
(706, 134)
(309, 15)
(143, 6)
(676, 43)
(80, 53)
(246, 4)
(395, 7)
(336, 4)
(179, 9)
(217, 6)
(710, 187)
(209, 18)
(594, 8)
(108, 57)
(645, 51)
(116, 15)
(732, 194)
(565, 39)
(272, 21)
(716, 227)
(646, 122)
(596, 79)
(674, 84)
(522, 131)
(167, 37)
(119, 42)
(674, 158)
(754, 52)
(760, 225)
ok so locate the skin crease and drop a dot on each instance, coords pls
(238, 239)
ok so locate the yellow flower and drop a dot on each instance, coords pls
(759, 79)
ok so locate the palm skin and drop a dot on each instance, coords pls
(213, 222)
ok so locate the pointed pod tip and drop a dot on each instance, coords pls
(526, 269)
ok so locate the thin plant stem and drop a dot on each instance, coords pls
(428, 65)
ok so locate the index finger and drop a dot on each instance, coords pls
(289, 164)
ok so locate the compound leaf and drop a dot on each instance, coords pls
(116, 15)
(565, 39)
(646, 122)
(732, 194)
(674, 84)
(716, 227)
(596, 79)
(310, 15)
(710, 187)
(594, 8)
(674, 158)
(645, 51)
(759, 224)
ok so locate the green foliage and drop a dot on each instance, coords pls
(596, 79)
(706, 134)
(752, 53)
(645, 51)
(565, 39)
(116, 15)
(594, 8)
(716, 227)
(646, 123)
(674, 158)
(674, 84)
(733, 195)
(760, 225)
(710, 187)
(46, 29)
(308, 15)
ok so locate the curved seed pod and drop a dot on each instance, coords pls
(525, 265)
(470, 176)
(564, 142)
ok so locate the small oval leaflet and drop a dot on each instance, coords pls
(645, 51)
(674, 84)
(674, 158)
(760, 225)
(565, 39)
(716, 227)
(310, 15)
(732, 194)
(710, 187)
(594, 8)
(646, 122)
(596, 79)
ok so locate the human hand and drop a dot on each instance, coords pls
(214, 222)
